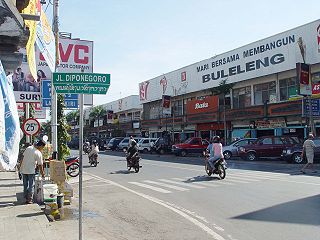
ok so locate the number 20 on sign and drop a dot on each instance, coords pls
(31, 126)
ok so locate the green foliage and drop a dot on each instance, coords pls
(73, 116)
(63, 127)
(223, 88)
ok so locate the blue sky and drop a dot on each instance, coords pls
(136, 40)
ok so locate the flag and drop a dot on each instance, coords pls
(31, 55)
(10, 126)
(45, 41)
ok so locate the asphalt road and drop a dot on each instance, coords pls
(172, 198)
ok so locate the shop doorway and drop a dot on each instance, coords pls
(205, 134)
(299, 132)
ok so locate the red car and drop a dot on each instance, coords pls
(191, 145)
(267, 147)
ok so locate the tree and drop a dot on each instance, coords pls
(73, 118)
(222, 90)
(97, 113)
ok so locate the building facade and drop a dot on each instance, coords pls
(122, 118)
(264, 98)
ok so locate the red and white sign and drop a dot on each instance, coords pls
(31, 126)
(207, 104)
(39, 112)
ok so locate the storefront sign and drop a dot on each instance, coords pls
(265, 57)
(272, 123)
(208, 104)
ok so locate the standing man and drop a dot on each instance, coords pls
(308, 149)
(32, 156)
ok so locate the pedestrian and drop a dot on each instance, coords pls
(32, 157)
(308, 150)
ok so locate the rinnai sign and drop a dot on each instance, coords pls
(201, 105)
(207, 104)
(272, 55)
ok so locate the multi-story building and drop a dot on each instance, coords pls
(122, 118)
(264, 98)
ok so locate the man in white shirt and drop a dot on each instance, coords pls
(32, 156)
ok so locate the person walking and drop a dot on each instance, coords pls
(308, 150)
(32, 157)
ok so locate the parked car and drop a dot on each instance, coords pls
(267, 147)
(191, 145)
(293, 154)
(144, 144)
(232, 150)
(162, 145)
(124, 144)
(113, 143)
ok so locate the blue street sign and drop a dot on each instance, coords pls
(70, 100)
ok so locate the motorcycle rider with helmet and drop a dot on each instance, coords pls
(132, 149)
(94, 150)
(215, 151)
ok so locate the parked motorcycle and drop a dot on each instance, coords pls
(220, 168)
(133, 162)
(72, 166)
(93, 160)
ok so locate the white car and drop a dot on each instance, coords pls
(232, 150)
(145, 144)
(124, 144)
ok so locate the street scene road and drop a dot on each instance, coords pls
(173, 198)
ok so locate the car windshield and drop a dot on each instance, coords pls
(112, 140)
(188, 140)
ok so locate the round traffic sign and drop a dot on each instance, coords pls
(31, 126)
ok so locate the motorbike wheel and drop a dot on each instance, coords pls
(136, 169)
(221, 171)
(129, 168)
(207, 168)
(93, 163)
(73, 170)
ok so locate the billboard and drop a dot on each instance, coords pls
(39, 112)
(271, 55)
(75, 56)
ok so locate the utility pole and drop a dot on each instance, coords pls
(54, 122)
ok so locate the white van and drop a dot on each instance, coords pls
(124, 144)
(144, 145)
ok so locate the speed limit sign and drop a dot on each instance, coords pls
(31, 126)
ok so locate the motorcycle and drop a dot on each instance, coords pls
(93, 160)
(86, 148)
(72, 166)
(220, 167)
(133, 162)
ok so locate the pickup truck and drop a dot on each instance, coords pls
(191, 145)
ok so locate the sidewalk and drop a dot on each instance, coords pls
(18, 220)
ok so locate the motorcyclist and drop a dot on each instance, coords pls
(94, 150)
(215, 151)
(132, 149)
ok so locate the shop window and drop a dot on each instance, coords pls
(242, 97)
(178, 108)
(265, 92)
(315, 77)
(288, 87)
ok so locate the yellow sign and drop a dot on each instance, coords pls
(32, 25)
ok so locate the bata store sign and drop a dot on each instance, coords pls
(208, 104)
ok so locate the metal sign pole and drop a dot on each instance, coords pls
(80, 163)
(27, 110)
(54, 121)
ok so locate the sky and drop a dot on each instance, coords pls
(137, 40)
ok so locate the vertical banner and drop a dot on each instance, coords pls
(110, 116)
(31, 9)
(303, 76)
(166, 104)
(11, 138)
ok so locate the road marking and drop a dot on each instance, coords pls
(182, 184)
(150, 187)
(242, 178)
(167, 185)
(203, 183)
(176, 209)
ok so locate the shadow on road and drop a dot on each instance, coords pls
(121, 172)
(203, 178)
(301, 211)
